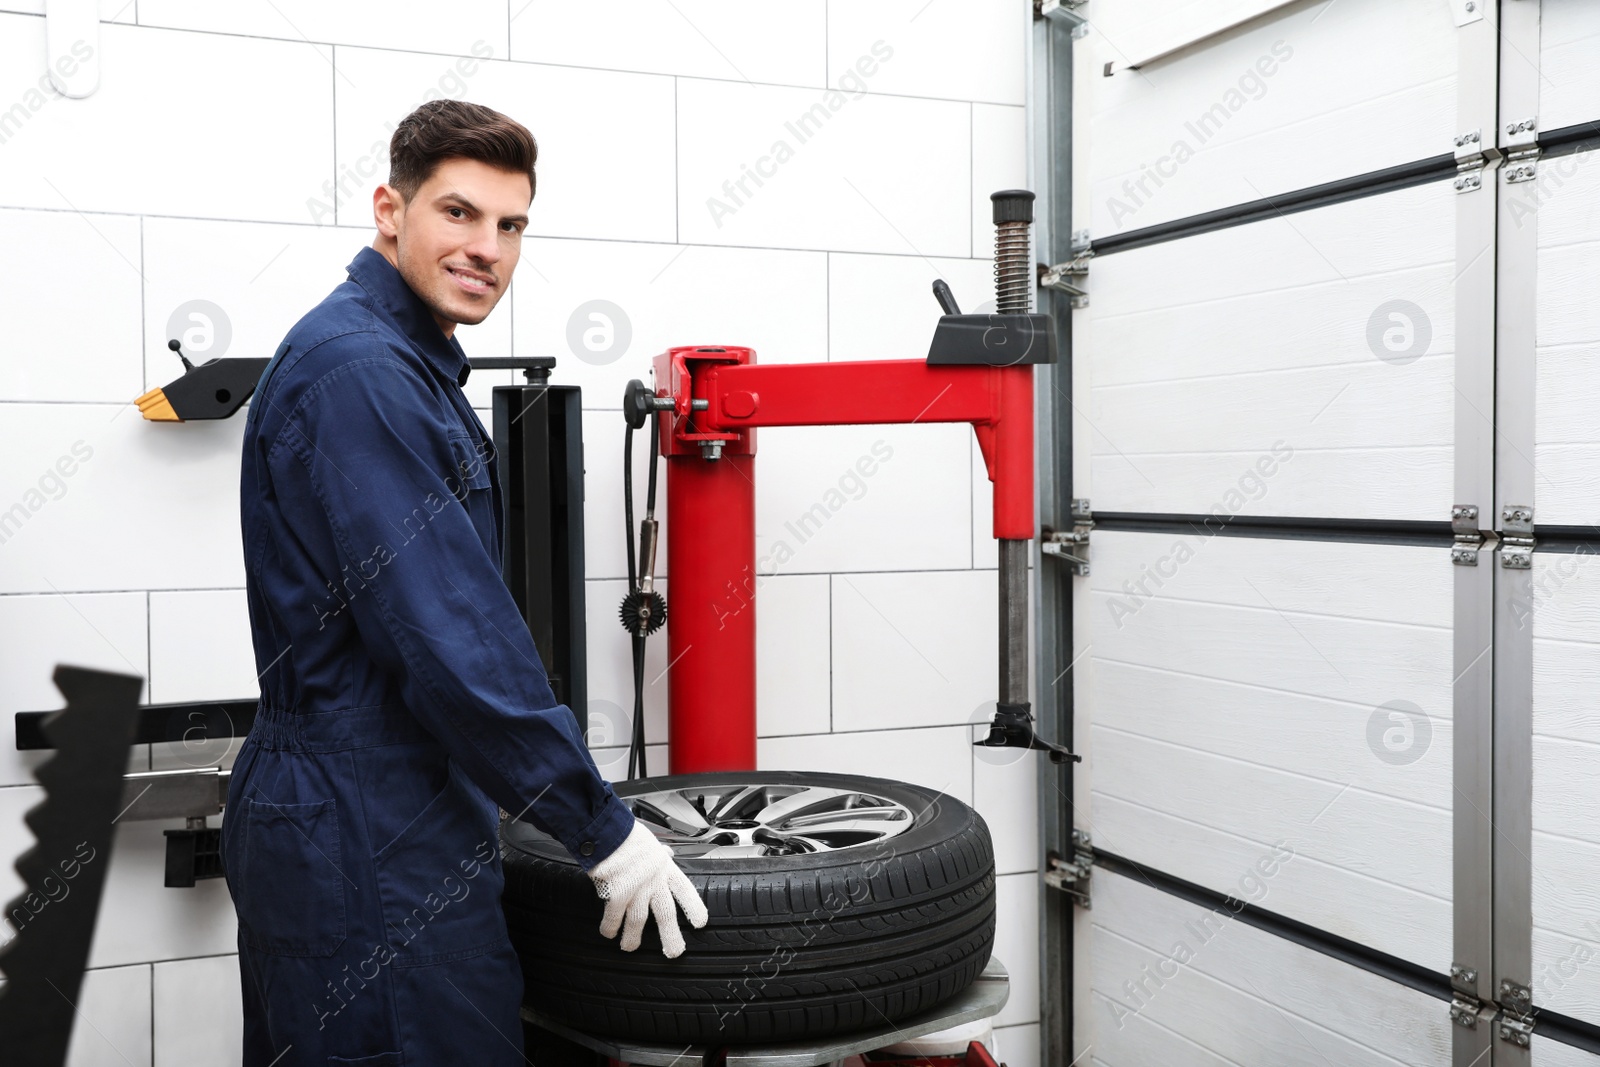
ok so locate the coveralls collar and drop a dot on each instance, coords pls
(395, 298)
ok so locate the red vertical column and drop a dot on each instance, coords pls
(711, 621)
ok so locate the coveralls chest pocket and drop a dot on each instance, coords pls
(439, 880)
(471, 465)
(290, 893)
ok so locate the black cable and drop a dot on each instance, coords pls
(638, 765)
(627, 501)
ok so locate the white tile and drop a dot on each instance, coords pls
(611, 669)
(967, 50)
(110, 10)
(664, 296)
(792, 655)
(111, 1027)
(936, 757)
(999, 161)
(913, 649)
(271, 277)
(1005, 790)
(1016, 944)
(142, 920)
(99, 631)
(605, 138)
(850, 172)
(612, 763)
(731, 39)
(605, 551)
(1017, 1046)
(182, 119)
(882, 307)
(57, 352)
(147, 506)
(849, 498)
(198, 1015)
(200, 649)
(474, 27)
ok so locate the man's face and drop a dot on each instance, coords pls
(458, 240)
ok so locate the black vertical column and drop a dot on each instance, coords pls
(538, 439)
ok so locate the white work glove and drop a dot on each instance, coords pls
(641, 877)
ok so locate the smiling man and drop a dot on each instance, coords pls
(402, 697)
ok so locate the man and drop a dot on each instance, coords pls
(402, 697)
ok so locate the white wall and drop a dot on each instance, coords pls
(206, 167)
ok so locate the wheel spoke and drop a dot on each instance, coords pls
(786, 806)
(673, 810)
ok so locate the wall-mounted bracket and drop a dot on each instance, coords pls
(1072, 876)
(1063, 11)
(1071, 546)
(1056, 277)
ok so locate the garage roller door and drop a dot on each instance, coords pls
(1333, 407)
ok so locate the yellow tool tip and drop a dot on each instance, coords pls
(155, 406)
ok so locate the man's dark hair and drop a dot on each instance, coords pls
(446, 129)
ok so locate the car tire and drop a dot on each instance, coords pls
(830, 915)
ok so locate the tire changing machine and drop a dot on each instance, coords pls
(707, 403)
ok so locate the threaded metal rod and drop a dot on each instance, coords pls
(1013, 263)
(1013, 275)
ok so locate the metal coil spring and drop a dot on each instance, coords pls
(1013, 276)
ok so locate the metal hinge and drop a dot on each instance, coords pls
(1464, 1003)
(1522, 132)
(1055, 277)
(1469, 161)
(1468, 538)
(1072, 877)
(1521, 165)
(1516, 1029)
(1516, 1012)
(1071, 546)
(1516, 537)
(1464, 1010)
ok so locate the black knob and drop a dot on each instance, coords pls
(1012, 205)
(637, 403)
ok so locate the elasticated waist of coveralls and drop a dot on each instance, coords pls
(338, 730)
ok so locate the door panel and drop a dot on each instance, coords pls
(1325, 338)
(1177, 983)
(1264, 109)
(1289, 692)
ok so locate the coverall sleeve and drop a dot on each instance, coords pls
(371, 443)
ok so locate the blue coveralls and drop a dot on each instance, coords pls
(402, 699)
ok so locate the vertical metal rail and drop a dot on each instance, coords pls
(1064, 987)
(1472, 704)
(1516, 292)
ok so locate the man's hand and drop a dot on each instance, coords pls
(641, 877)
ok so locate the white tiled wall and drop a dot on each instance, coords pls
(230, 155)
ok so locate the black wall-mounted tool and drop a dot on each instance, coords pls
(64, 872)
(213, 390)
